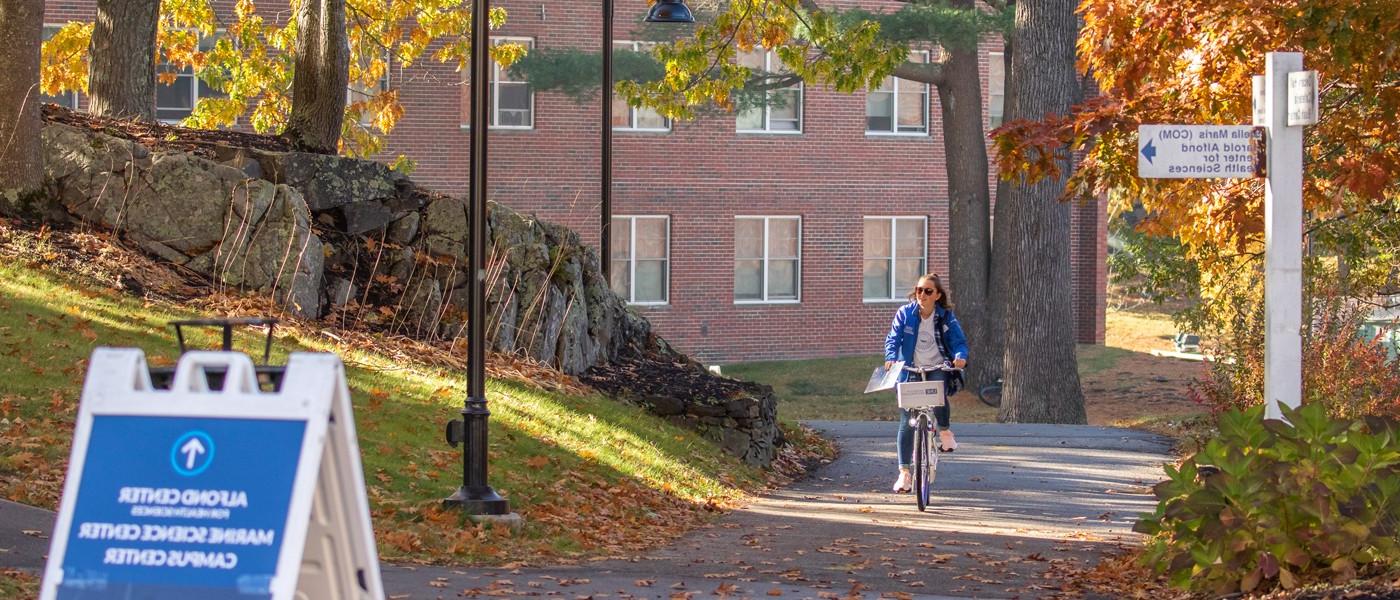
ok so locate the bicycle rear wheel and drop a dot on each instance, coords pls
(925, 462)
(990, 395)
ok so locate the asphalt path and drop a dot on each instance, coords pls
(1011, 502)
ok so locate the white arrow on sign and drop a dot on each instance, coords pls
(1196, 151)
(192, 449)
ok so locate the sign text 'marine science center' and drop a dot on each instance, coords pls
(1198, 151)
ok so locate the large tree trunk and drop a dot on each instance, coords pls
(322, 72)
(21, 162)
(122, 82)
(969, 205)
(1042, 380)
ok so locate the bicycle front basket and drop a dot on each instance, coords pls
(920, 394)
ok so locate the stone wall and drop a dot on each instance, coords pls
(331, 237)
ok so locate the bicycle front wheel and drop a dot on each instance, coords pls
(925, 462)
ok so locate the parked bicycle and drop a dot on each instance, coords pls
(990, 394)
(920, 396)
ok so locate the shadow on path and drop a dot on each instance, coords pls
(1012, 500)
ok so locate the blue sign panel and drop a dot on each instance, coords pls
(175, 508)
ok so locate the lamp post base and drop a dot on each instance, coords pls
(482, 501)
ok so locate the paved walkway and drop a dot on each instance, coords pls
(1010, 502)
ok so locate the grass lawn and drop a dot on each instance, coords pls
(591, 476)
(1123, 383)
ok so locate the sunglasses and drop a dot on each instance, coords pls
(925, 291)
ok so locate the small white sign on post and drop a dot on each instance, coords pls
(1197, 151)
(1261, 114)
(1302, 98)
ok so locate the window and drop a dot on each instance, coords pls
(68, 99)
(898, 105)
(782, 109)
(512, 101)
(996, 89)
(176, 100)
(767, 259)
(357, 91)
(641, 248)
(624, 116)
(896, 255)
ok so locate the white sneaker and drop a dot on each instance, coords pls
(903, 484)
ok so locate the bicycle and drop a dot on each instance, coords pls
(920, 398)
(990, 394)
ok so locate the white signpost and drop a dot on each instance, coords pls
(1196, 151)
(1285, 99)
(198, 493)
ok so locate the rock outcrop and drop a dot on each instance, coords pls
(326, 235)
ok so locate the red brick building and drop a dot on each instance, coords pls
(789, 232)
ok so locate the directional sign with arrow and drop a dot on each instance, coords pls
(1197, 151)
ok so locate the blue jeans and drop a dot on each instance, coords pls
(904, 440)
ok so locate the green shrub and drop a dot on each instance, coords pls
(1267, 505)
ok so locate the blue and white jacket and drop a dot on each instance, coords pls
(904, 334)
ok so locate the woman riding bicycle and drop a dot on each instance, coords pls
(925, 333)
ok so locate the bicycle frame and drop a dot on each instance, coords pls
(920, 419)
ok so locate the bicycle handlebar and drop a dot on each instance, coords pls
(946, 367)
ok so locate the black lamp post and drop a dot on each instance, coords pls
(476, 497)
(663, 11)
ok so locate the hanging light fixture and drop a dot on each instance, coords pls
(670, 11)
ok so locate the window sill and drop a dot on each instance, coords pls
(649, 304)
(896, 134)
(765, 132)
(766, 302)
(500, 128)
(636, 130)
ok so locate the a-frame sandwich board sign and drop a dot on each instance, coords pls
(208, 494)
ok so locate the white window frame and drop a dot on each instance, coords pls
(768, 57)
(766, 220)
(632, 260)
(894, 117)
(999, 58)
(194, 82)
(894, 257)
(352, 89)
(72, 94)
(632, 111)
(496, 86)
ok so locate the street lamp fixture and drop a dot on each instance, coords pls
(670, 11)
(663, 11)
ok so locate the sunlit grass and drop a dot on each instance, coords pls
(590, 475)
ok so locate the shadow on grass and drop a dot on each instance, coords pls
(589, 474)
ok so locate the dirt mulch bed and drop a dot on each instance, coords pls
(653, 377)
(159, 136)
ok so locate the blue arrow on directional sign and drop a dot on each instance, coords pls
(1148, 151)
(192, 453)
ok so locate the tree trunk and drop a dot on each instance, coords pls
(122, 82)
(996, 286)
(1042, 380)
(969, 205)
(322, 72)
(21, 162)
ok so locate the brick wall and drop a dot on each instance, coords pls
(701, 175)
